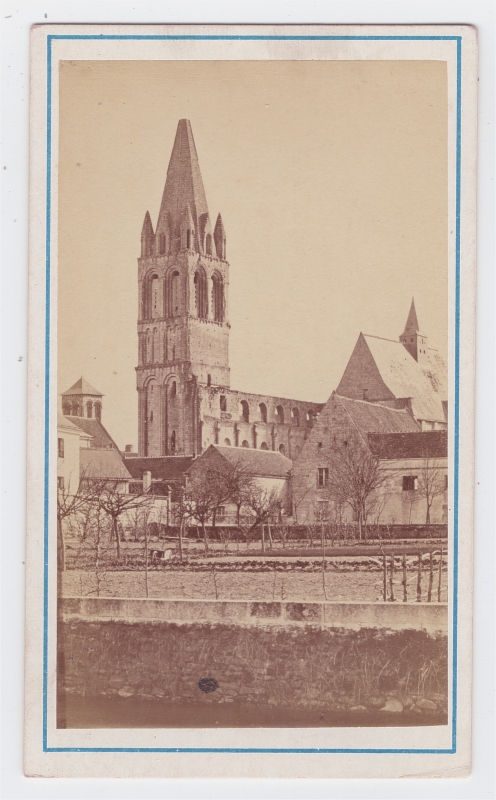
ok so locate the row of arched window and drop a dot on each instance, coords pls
(151, 306)
(279, 416)
(75, 409)
(263, 446)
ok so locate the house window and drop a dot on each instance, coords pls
(322, 477)
(60, 483)
(365, 394)
(322, 510)
(319, 445)
(409, 483)
(60, 447)
(220, 513)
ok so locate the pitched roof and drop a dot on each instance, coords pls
(102, 464)
(183, 185)
(425, 384)
(82, 387)
(93, 427)
(260, 463)
(373, 417)
(65, 423)
(424, 444)
(168, 468)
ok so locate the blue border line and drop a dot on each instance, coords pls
(450, 751)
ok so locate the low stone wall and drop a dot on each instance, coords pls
(429, 617)
(293, 667)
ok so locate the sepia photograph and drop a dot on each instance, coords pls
(254, 397)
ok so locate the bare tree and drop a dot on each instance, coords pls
(69, 504)
(115, 503)
(431, 482)
(355, 476)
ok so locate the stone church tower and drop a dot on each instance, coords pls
(183, 327)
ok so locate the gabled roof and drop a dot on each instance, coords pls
(167, 468)
(94, 428)
(102, 464)
(424, 444)
(66, 424)
(183, 185)
(259, 463)
(425, 384)
(82, 387)
(373, 417)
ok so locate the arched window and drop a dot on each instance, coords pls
(98, 411)
(201, 299)
(282, 449)
(89, 409)
(171, 294)
(173, 443)
(263, 412)
(309, 419)
(296, 417)
(218, 297)
(67, 409)
(227, 442)
(154, 291)
(244, 443)
(162, 243)
(208, 244)
(244, 413)
(76, 410)
(188, 239)
(223, 402)
(173, 389)
(155, 346)
(150, 304)
(264, 446)
(279, 414)
(150, 246)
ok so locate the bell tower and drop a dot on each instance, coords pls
(183, 328)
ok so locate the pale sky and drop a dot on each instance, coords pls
(331, 177)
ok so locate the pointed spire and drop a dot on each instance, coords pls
(183, 185)
(412, 325)
(147, 225)
(220, 238)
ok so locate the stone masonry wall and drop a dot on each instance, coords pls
(301, 667)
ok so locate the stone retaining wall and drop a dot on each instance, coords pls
(429, 617)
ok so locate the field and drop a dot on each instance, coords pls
(230, 578)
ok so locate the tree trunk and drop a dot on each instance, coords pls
(431, 577)
(181, 524)
(428, 515)
(205, 537)
(405, 594)
(61, 546)
(263, 538)
(116, 535)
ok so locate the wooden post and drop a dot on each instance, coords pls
(431, 577)
(440, 573)
(384, 578)
(270, 534)
(391, 574)
(146, 557)
(419, 579)
(263, 538)
(405, 594)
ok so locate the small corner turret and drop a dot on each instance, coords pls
(220, 238)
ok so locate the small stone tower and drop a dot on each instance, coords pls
(411, 338)
(82, 400)
(183, 328)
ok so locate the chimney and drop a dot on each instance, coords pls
(147, 480)
(128, 448)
